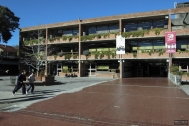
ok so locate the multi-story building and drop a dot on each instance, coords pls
(88, 47)
(8, 60)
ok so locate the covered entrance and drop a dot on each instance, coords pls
(149, 68)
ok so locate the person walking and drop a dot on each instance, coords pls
(19, 83)
(31, 80)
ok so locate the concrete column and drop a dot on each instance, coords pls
(169, 23)
(46, 64)
(79, 64)
(120, 56)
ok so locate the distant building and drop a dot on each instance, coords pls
(8, 59)
(88, 47)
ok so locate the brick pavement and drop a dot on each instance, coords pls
(122, 102)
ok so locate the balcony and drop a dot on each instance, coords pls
(64, 57)
(180, 55)
(145, 33)
(97, 37)
(97, 57)
(184, 31)
(63, 39)
(145, 55)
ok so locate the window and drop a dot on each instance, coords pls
(146, 24)
(114, 27)
(159, 44)
(102, 29)
(92, 30)
(158, 23)
(145, 45)
(182, 44)
(75, 31)
(67, 32)
(130, 26)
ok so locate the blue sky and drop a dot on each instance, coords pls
(38, 12)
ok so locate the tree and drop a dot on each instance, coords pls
(8, 23)
(34, 55)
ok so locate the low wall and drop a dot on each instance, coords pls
(111, 75)
(176, 79)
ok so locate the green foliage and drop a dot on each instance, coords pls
(60, 54)
(41, 57)
(55, 56)
(91, 37)
(157, 30)
(69, 38)
(108, 53)
(75, 56)
(141, 33)
(101, 54)
(134, 54)
(86, 53)
(96, 54)
(52, 39)
(113, 53)
(161, 52)
(8, 23)
(67, 56)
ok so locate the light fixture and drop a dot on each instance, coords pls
(167, 60)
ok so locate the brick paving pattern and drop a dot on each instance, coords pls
(122, 102)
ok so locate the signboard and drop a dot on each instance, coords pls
(170, 42)
(120, 45)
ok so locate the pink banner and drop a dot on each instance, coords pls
(170, 42)
(170, 37)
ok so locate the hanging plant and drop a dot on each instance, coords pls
(75, 56)
(161, 52)
(55, 56)
(57, 38)
(157, 30)
(113, 54)
(86, 53)
(101, 54)
(60, 54)
(41, 57)
(96, 54)
(68, 56)
(108, 54)
(134, 54)
(51, 39)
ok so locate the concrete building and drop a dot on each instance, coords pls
(87, 47)
(8, 60)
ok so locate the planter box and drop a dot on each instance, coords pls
(180, 55)
(48, 80)
(50, 57)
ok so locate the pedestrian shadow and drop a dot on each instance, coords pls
(30, 97)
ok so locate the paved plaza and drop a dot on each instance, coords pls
(91, 101)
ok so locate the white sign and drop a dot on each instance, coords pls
(120, 44)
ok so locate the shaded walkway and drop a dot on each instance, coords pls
(128, 101)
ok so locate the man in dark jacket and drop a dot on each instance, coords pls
(19, 83)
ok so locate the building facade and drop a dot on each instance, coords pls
(8, 60)
(88, 47)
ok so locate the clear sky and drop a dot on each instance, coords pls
(38, 12)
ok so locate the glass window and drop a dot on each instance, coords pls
(130, 26)
(146, 24)
(159, 44)
(102, 29)
(75, 31)
(92, 30)
(67, 32)
(182, 43)
(133, 45)
(158, 23)
(146, 45)
(114, 27)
